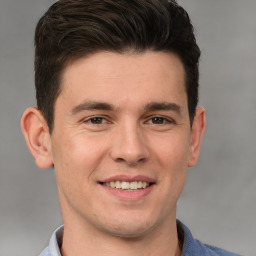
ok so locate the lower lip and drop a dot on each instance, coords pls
(129, 195)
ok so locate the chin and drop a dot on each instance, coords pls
(129, 229)
(129, 233)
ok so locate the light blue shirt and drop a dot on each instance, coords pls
(191, 246)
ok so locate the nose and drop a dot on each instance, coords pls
(129, 146)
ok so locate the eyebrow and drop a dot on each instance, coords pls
(92, 105)
(152, 106)
(166, 106)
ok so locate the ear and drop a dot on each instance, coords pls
(36, 133)
(197, 132)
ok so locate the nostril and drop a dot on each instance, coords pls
(120, 160)
(130, 161)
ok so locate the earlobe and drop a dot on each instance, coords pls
(197, 132)
(36, 133)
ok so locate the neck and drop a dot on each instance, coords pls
(81, 240)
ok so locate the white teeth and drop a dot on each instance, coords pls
(133, 185)
(125, 185)
(112, 184)
(118, 184)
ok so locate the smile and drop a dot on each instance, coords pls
(125, 185)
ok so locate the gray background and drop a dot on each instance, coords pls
(219, 200)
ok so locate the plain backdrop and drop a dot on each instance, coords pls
(219, 200)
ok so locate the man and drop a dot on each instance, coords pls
(117, 117)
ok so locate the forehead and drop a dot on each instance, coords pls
(130, 78)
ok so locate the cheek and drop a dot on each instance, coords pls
(171, 155)
(76, 160)
(171, 151)
(78, 156)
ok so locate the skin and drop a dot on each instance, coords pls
(133, 133)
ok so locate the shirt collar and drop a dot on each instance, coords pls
(56, 242)
(190, 246)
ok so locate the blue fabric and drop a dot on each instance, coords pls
(191, 246)
(55, 243)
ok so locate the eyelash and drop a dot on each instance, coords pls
(95, 118)
(163, 119)
(101, 120)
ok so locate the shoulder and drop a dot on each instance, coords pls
(210, 250)
(192, 247)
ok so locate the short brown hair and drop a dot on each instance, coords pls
(72, 29)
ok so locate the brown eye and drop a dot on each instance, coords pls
(97, 120)
(158, 120)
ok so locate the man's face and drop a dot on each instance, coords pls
(121, 124)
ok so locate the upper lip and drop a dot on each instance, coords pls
(128, 178)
